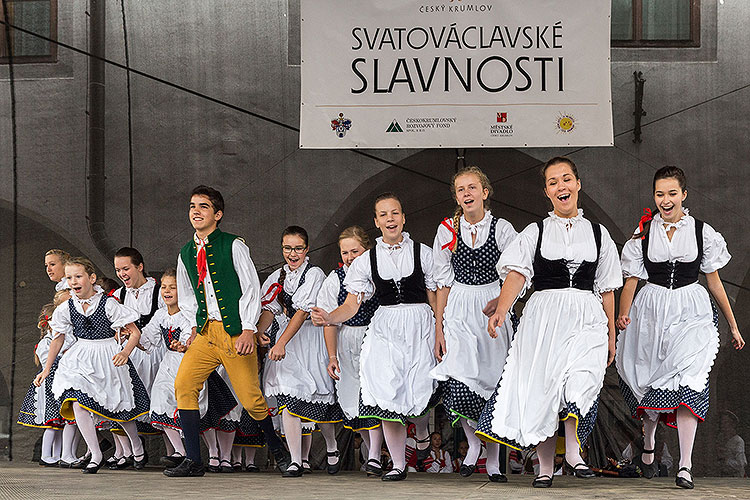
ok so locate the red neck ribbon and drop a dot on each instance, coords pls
(645, 219)
(274, 290)
(452, 243)
(202, 264)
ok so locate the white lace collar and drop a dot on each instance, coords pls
(669, 225)
(148, 285)
(473, 228)
(404, 241)
(567, 221)
(90, 300)
(301, 268)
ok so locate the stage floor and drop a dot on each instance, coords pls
(29, 481)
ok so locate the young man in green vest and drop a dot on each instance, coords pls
(218, 287)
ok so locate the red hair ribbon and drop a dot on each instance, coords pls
(43, 324)
(645, 219)
(274, 290)
(452, 243)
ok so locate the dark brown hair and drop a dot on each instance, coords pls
(386, 196)
(555, 161)
(290, 231)
(214, 196)
(135, 256)
(170, 272)
(666, 172)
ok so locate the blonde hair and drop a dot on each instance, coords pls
(358, 234)
(62, 254)
(43, 324)
(60, 297)
(483, 179)
(88, 266)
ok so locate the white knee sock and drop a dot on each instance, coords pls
(209, 437)
(168, 447)
(237, 454)
(69, 443)
(572, 451)
(422, 431)
(545, 451)
(124, 445)
(493, 458)
(395, 439)
(293, 433)
(649, 438)
(225, 439)
(176, 440)
(249, 455)
(475, 445)
(85, 422)
(306, 445)
(687, 425)
(134, 439)
(376, 443)
(48, 445)
(329, 434)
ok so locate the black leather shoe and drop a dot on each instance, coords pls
(306, 469)
(140, 464)
(647, 470)
(498, 478)
(252, 468)
(226, 466)
(213, 468)
(282, 458)
(543, 481)
(580, 470)
(81, 462)
(685, 483)
(171, 460)
(48, 464)
(294, 470)
(335, 468)
(187, 468)
(64, 465)
(122, 463)
(467, 470)
(395, 475)
(373, 468)
(92, 468)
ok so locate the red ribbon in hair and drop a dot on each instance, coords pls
(645, 219)
(202, 264)
(341, 264)
(452, 243)
(274, 290)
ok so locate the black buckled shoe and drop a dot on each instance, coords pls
(306, 469)
(187, 468)
(237, 466)
(294, 470)
(226, 466)
(122, 463)
(580, 470)
(252, 468)
(48, 464)
(282, 458)
(334, 468)
(373, 468)
(467, 470)
(81, 462)
(171, 460)
(64, 465)
(647, 470)
(685, 483)
(92, 468)
(543, 481)
(140, 464)
(395, 475)
(497, 478)
(214, 468)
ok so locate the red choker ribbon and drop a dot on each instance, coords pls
(452, 243)
(274, 290)
(645, 219)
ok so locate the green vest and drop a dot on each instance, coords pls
(223, 276)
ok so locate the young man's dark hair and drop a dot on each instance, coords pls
(214, 196)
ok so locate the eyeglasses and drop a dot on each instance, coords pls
(297, 250)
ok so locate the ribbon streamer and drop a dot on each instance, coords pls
(452, 243)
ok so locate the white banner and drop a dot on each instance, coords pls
(455, 73)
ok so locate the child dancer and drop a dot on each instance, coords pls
(140, 293)
(95, 376)
(33, 408)
(466, 251)
(557, 359)
(344, 345)
(669, 342)
(397, 353)
(297, 375)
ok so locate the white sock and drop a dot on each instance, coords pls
(422, 431)
(493, 458)
(69, 444)
(395, 439)
(649, 438)
(119, 452)
(250, 455)
(209, 437)
(376, 443)
(225, 439)
(48, 445)
(293, 433)
(329, 434)
(134, 439)
(475, 445)
(176, 440)
(306, 445)
(545, 451)
(85, 422)
(687, 425)
(168, 447)
(237, 454)
(572, 451)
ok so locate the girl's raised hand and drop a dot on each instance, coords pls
(120, 358)
(737, 339)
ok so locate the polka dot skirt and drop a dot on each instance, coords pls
(361, 424)
(249, 432)
(51, 404)
(376, 412)
(666, 402)
(314, 412)
(220, 403)
(461, 401)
